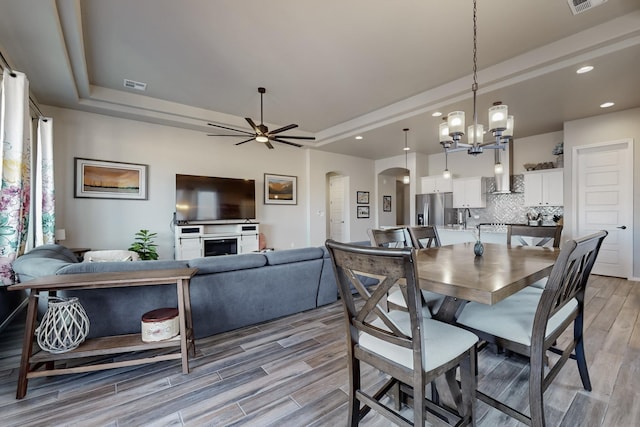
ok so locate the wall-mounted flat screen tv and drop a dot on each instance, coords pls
(208, 198)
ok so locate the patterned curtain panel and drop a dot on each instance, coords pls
(15, 124)
(44, 201)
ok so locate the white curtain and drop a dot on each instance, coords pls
(44, 200)
(15, 135)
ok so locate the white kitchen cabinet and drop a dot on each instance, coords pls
(544, 188)
(436, 184)
(469, 193)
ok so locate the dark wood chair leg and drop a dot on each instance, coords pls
(580, 356)
(354, 404)
(536, 380)
(455, 389)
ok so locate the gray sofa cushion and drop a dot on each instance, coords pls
(52, 251)
(105, 267)
(220, 264)
(27, 270)
(50, 259)
(293, 255)
(251, 296)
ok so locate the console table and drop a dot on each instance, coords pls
(31, 361)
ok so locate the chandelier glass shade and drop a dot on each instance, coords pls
(500, 124)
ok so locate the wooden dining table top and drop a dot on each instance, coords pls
(502, 270)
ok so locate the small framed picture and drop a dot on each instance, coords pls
(280, 189)
(386, 203)
(362, 197)
(103, 179)
(363, 211)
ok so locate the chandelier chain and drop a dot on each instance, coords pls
(474, 87)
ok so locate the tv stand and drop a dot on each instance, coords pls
(201, 240)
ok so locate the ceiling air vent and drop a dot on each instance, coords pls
(135, 85)
(579, 6)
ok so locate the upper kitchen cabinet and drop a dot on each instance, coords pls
(544, 188)
(469, 193)
(436, 184)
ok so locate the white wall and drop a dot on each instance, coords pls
(606, 127)
(386, 187)
(534, 149)
(109, 224)
(463, 165)
(361, 178)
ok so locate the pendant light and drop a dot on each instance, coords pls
(406, 179)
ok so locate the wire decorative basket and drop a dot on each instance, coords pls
(64, 326)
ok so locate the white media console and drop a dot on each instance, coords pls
(201, 240)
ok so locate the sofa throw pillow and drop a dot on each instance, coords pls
(110, 256)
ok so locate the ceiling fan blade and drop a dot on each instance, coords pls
(282, 129)
(287, 142)
(235, 136)
(224, 127)
(242, 142)
(296, 137)
(268, 144)
(253, 125)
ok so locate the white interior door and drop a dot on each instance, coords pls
(337, 195)
(603, 185)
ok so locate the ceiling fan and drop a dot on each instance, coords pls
(261, 132)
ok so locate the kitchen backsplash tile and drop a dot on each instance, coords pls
(509, 208)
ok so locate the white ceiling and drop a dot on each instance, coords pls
(337, 68)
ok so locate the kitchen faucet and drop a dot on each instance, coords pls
(466, 213)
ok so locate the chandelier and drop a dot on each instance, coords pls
(500, 122)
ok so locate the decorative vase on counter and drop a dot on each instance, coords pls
(478, 248)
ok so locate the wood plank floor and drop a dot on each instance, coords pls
(292, 372)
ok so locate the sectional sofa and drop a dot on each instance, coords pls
(227, 292)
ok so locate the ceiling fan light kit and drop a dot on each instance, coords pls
(261, 132)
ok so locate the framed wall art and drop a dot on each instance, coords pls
(280, 189)
(104, 179)
(363, 212)
(386, 203)
(362, 197)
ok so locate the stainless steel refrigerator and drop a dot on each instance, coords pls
(435, 209)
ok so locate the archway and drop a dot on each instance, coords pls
(393, 207)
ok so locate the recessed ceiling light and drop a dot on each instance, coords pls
(406, 148)
(584, 69)
(358, 137)
(607, 105)
(437, 114)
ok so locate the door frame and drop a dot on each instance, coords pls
(630, 190)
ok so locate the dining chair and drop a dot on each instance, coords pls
(425, 236)
(516, 232)
(389, 238)
(530, 321)
(420, 237)
(411, 349)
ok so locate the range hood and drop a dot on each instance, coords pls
(503, 180)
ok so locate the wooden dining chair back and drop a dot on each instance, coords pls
(515, 234)
(421, 237)
(530, 322)
(389, 238)
(545, 234)
(424, 237)
(411, 349)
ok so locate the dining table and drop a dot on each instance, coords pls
(502, 270)
(457, 273)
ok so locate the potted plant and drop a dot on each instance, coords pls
(144, 245)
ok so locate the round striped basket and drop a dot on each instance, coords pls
(64, 326)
